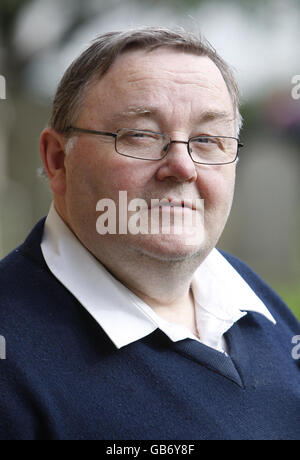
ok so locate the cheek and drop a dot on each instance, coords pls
(216, 187)
(81, 174)
(102, 174)
(122, 173)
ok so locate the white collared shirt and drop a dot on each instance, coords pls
(221, 295)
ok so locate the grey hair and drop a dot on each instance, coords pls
(96, 60)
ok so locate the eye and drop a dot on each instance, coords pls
(143, 134)
(205, 140)
(139, 135)
(208, 142)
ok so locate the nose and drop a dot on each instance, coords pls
(177, 164)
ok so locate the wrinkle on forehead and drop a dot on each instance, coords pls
(178, 76)
(186, 78)
(172, 88)
(175, 83)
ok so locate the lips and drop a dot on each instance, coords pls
(175, 202)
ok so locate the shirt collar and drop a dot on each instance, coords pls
(223, 294)
(220, 292)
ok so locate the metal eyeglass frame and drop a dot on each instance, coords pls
(165, 149)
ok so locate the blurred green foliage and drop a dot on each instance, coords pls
(291, 295)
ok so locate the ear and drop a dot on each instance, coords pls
(52, 149)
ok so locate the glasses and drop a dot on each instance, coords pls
(148, 145)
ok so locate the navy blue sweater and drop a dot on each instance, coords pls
(64, 379)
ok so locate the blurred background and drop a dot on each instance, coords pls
(260, 38)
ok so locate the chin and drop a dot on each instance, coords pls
(176, 248)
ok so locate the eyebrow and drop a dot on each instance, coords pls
(133, 112)
(141, 111)
(211, 115)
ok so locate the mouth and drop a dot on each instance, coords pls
(176, 203)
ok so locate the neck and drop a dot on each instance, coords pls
(164, 286)
(163, 282)
(181, 311)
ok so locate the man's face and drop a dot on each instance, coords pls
(165, 91)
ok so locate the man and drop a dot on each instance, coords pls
(118, 334)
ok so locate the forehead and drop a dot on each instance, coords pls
(163, 78)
